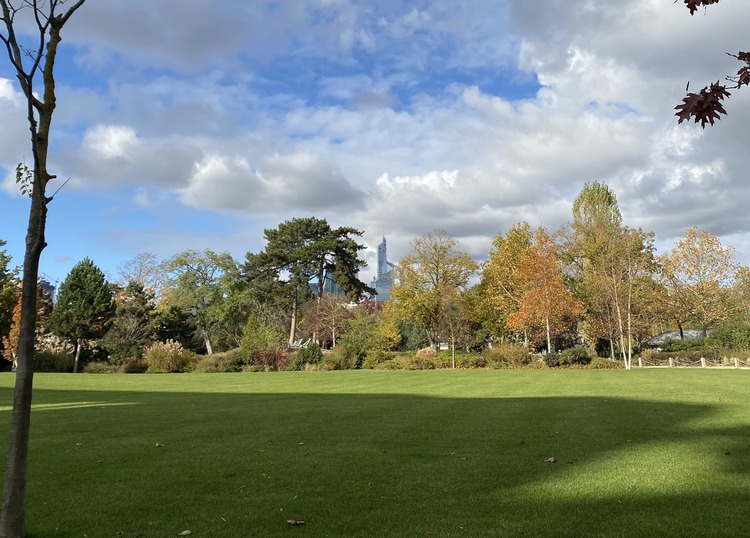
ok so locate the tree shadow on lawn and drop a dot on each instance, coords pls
(155, 464)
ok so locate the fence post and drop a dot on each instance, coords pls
(640, 362)
(703, 362)
(671, 362)
(736, 362)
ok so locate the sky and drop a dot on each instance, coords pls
(193, 125)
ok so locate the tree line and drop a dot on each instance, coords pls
(594, 282)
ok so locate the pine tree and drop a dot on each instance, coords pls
(84, 308)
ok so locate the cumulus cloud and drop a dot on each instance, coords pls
(290, 182)
(403, 118)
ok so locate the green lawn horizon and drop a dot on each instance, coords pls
(389, 453)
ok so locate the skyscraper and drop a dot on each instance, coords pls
(384, 279)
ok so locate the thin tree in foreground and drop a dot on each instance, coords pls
(31, 63)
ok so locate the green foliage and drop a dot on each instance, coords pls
(414, 335)
(84, 307)
(692, 344)
(731, 336)
(575, 356)
(258, 336)
(299, 360)
(131, 329)
(53, 362)
(227, 361)
(169, 357)
(173, 323)
(24, 179)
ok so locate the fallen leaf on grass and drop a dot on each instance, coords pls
(185, 533)
(295, 522)
(727, 453)
(551, 460)
(159, 445)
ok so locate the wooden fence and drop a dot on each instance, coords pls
(681, 362)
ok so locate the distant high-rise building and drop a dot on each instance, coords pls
(384, 279)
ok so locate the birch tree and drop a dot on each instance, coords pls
(34, 67)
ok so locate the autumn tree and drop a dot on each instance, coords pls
(698, 275)
(43, 312)
(32, 63)
(8, 298)
(429, 279)
(500, 295)
(546, 305)
(84, 307)
(706, 106)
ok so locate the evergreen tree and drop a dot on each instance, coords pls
(84, 308)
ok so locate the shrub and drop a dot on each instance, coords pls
(374, 358)
(574, 356)
(168, 357)
(551, 360)
(228, 361)
(693, 344)
(311, 354)
(100, 368)
(272, 358)
(508, 355)
(599, 363)
(133, 366)
(341, 358)
(53, 362)
(464, 360)
(426, 353)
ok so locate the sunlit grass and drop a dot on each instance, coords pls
(444, 453)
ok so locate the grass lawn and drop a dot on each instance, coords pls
(652, 453)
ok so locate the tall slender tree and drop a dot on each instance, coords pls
(33, 63)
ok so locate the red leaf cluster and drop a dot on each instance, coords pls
(693, 5)
(704, 106)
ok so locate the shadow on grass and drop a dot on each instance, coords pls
(156, 464)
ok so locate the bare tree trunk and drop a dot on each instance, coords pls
(78, 356)
(49, 24)
(293, 325)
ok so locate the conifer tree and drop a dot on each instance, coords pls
(84, 308)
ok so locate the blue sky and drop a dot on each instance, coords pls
(197, 125)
